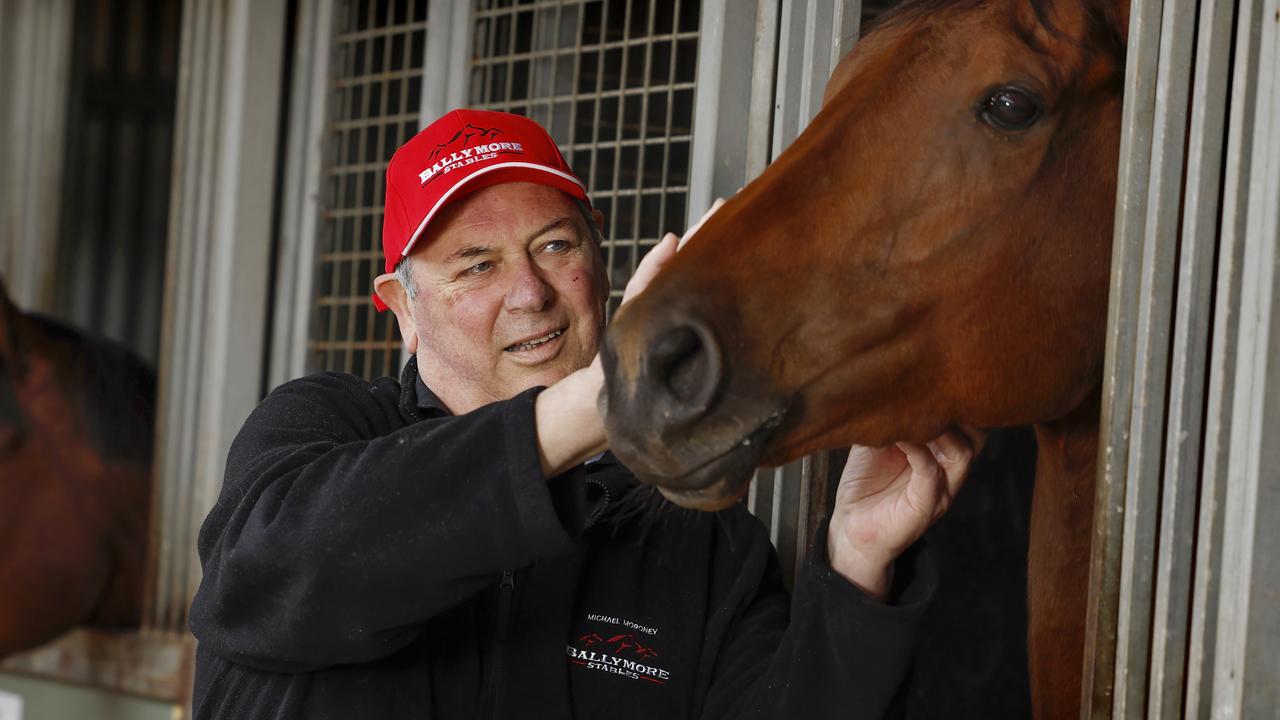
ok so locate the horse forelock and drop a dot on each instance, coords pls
(1104, 28)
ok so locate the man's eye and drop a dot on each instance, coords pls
(479, 268)
(556, 246)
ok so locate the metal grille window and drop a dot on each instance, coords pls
(613, 81)
(375, 96)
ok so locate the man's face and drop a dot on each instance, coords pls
(511, 293)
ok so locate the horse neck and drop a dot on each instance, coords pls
(1058, 557)
(106, 501)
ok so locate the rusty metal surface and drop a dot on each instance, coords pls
(156, 666)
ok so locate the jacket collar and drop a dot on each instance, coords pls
(416, 399)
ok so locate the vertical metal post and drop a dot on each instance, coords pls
(726, 45)
(1117, 387)
(1175, 552)
(448, 52)
(1151, 358)
(792, 49)
(1247, 657)
(1215, 479)
(219, 239)
(35, 63)
(299, 224)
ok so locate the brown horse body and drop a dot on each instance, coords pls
(934, 249)
(76, 418)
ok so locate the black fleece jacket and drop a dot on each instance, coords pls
(371, 556)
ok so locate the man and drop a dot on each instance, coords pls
(438, 549)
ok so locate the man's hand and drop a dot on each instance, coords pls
(661, 254)
(888, 497)
(569, 427)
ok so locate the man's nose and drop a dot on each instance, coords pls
(529, 290)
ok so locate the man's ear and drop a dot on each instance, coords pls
(391, 292)
(602, 273)
(599, 217)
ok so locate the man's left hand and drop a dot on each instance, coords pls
(888, 497)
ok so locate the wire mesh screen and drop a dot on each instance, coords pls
(375, 94)
(613, 82)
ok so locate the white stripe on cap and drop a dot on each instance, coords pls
(449, 193)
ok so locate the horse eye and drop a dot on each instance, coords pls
(1010, 109)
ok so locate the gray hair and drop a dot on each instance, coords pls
(404, 273)
(404, 268)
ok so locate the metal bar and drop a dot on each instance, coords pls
(718, 153)
(1209, 560)
(775, 506)
(163, 516)
(1247, 662)
(1189, 351)
(179, 393)
(243, 180)
(1146, 433)
(37, 48)
(447, 56)
(1117, 387)
(763, 69)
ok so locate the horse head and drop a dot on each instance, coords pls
(76, 417)
(933, 249)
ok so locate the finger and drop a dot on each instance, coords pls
(921, 459)
(924, 491)
(653, 261)
(864, 460)
(688, 234)
(955, 453)
(659, 254)
(976, 435)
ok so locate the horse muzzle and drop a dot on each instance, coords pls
(670, 412)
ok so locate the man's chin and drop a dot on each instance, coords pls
(545, 374)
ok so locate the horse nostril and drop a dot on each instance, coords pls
(684, 364)
(677, 361)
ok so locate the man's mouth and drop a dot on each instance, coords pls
(535, 342)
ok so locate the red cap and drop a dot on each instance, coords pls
(462, 152)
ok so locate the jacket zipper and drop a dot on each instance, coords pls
(506, 591)
(604, 503)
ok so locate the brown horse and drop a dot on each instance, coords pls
(76, 416)
(934, 249)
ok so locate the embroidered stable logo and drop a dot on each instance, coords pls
(468, 146)
(628, 653)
